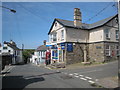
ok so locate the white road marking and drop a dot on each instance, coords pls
(91, 81)
(70, 74)
(88, 77)
(76, 76)
(83, 78)
(80, 75)
(76, 73)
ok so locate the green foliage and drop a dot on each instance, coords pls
(27, 54)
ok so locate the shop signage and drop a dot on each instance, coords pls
(54, 47)
(62, 44)
(69, 47)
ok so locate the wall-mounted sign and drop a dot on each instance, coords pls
(69, 47)
(98, 47)
(54, 47)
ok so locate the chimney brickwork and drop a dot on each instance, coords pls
(77, 17)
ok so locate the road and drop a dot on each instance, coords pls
(96, 72)
(31, 76)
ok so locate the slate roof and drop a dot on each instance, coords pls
(42, 48)
(70, 24)
(12, 46)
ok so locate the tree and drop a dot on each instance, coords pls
(27, 54)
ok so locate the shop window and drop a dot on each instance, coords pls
(117, 50)
(107, 50)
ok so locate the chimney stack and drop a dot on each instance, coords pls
(77, 17)
(44, 42)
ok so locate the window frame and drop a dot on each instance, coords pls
(117, 34)
(117, 50)
(5, 48)
(108, 50)
(62, 34)
(107, 34)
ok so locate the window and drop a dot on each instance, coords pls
(62, 35)
(54, 37)
(117, 50)
(107, 50)
(117, 34)
(55, 24)
(107, 34)
(4, 47)
(9, 51)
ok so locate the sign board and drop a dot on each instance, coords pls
(62, 44)
(54, 47)
(69, 47)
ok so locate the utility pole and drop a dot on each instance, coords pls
(119, 42)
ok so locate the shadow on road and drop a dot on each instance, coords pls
(42, 74)
(18, 81)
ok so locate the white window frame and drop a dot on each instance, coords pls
(107, 50)
(107, 33)
(62, 34)
(117, 34)
(54, 37)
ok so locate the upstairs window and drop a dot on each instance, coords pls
(117, 34)
(107, 50)
(4, 48)
(107, 34)
(54, 37)
(55, 24)
(62, 35)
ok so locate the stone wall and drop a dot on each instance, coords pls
(96, 52)
(76, 56)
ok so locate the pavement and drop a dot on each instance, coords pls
(6, 69)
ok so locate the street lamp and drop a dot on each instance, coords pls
(12, 10)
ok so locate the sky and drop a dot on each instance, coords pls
(31, 22)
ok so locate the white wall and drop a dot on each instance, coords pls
(96, 35)
(6, 50)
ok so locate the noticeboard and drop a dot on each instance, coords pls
(69, 47)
